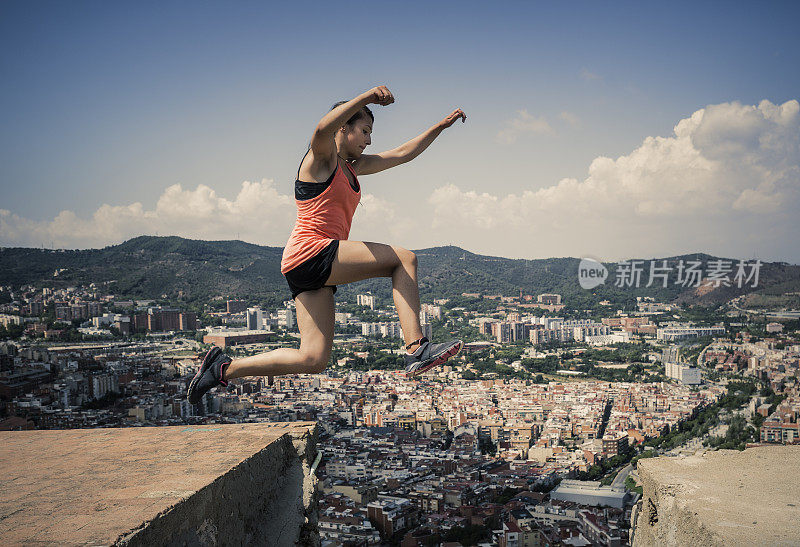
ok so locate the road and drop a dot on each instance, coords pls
(619, 480)
(700, 356)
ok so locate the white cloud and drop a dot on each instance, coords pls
(523, 123)
(376, 220)
(258, 213)
(726, 182)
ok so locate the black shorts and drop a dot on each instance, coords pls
(312, 274)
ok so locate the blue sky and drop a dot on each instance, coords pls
(109, 103)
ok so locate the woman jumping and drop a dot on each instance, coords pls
(318, 255)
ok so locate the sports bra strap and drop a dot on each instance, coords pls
(357, 187)
(301, 163)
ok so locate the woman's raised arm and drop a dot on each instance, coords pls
(322, 142)
(368, 164)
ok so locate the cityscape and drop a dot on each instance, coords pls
(529, 437)
(510, 274)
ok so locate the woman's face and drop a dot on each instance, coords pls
(357, 137)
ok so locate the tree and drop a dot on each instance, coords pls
(11, 332)
(469, 375)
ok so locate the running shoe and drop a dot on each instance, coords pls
(429, 355)
(209, 375)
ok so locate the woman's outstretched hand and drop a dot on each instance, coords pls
(380, 95)
(451, 119)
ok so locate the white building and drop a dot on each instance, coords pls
(589, 493)
(391, 329)
(7, 320)
(286, 318)
(583, 331)
(671, 334)
(596, 329)
(671, 354)
(345, 470)
(432, 311)
(613, 338)
(366, 300)
(774, 327)
(108, 319)
(685, 374)
(342, 318)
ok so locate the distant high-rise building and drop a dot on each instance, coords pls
(35, 308)
(370, 329)
(286, 318)
(255, 319)
(485, 326)
(164, 320)
(671, 354)
(614, 444)
(123, 325)
(6, 320)
(504, 332)
(102, 384)
(685, 374)
(432, 311)
(63, 312)
(187, 321)
(79, 311)
(139, 322)
(94, 309)
(366, 300)
(154, 321)
(391, 329)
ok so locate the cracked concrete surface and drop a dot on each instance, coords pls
(725, 497)
(207, 485)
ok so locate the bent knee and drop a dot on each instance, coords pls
(406, 257)
(315, 362)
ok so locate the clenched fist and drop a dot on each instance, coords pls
(381, 95)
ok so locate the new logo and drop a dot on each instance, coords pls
(591, 273)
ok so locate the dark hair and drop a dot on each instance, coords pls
(363, 113)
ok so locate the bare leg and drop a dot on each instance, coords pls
(357, 260)
(315, 319)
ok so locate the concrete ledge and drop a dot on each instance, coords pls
(197, 485)
(720, 498)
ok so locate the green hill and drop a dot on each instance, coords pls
(151, 267)
(194, 272)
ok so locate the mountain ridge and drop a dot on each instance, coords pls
(176, 268)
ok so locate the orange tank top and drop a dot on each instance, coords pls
(322, 219)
